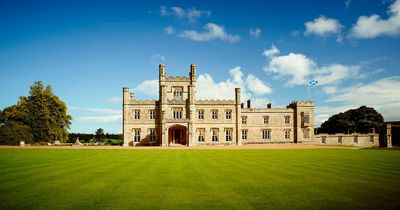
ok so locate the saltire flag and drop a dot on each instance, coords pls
(313, 82)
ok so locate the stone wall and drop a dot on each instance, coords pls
(355, 139)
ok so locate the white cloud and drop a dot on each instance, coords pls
(386, 90)
(322, 26)
(191, 14)
(373, 26)
(256, 86)
(169, 30)
(211, 31)
(335, 73)
(255, 32)
(382, 94)
(251, 87)
(148, 87)
(271, 52)
(102, 119)
(297, 68)
(329, 90)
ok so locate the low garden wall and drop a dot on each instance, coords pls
(354, 139)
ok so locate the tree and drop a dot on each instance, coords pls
(13, 133)
(99, 134)
(361, 120)
(42, 113)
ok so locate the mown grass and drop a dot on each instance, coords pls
(198, 179)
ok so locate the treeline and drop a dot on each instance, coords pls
(84, 137)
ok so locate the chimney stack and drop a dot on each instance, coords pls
(269, 106)
(242, 105)
(249, 103)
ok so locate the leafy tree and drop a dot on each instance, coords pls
(99, 134)
(361, 120)
(42, 113)
(12, 133)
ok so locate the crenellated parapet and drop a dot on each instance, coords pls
(267, 110)
(215, 102)
(295, 104)
(174, 102)
(143, 102)
(177, 79)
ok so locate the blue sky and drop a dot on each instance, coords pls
(88, 50)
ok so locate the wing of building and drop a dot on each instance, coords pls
(179, 118)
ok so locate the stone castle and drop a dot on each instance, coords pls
(179, 118)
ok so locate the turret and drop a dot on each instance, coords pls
(161, 69)
(192, 73)
(127, 96)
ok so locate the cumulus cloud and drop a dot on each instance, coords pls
(211, 31)
(255, 32)
(271, 52)
(252, 87)
(191, 14)
(322, 26)
(148, 87)
(297, 68)
(257, 86)
(373, 26)
(169, 30)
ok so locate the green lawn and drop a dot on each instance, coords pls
(198, 179)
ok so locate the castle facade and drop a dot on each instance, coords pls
(178, 118)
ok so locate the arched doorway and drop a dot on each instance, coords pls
(177, 135)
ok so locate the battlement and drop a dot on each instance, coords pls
(215, 102)
(143, 102)
(267, 110)
(295, 104)
(177, 79)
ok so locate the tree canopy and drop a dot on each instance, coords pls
(361, 120)
(41, 116)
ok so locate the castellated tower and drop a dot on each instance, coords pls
(177, 118)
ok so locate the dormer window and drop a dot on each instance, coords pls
(178, 95)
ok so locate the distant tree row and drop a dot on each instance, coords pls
(41, 116)
(88, 137)
(361, 120)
